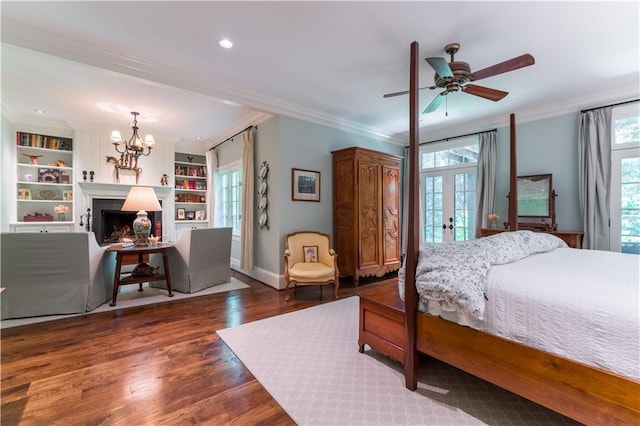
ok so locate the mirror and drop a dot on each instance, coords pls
(536, 198)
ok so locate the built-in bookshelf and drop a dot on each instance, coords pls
(44, 181)
(191, 188)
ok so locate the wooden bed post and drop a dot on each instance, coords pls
(513, 174)
(413, 237)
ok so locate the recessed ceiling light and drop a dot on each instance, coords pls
(226, 43)
(39, 111)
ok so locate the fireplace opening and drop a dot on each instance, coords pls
(112, 225)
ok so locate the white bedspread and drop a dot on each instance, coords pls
(454, 275)
(581, 304)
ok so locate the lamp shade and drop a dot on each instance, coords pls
(116, 137)
(141, 198)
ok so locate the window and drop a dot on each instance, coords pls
(625, 180)
(448, 190)
(229, 196)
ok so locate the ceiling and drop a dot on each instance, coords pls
(325, 62)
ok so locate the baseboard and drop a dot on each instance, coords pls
(269, 278)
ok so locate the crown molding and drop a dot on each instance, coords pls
(253, 119)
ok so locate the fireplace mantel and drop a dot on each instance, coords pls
(117, 190)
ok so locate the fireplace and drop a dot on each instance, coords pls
(112, 225)
(110, 197)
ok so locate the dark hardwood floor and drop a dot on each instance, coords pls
(156, 364)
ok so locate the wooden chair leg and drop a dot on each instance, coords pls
(288, 291)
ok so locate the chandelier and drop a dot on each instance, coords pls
(130, 151)
(135, 147)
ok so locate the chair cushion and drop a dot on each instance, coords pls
(311, 272)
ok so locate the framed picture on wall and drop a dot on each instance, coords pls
(305, 185)
(180, 214)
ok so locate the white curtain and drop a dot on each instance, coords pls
(212, 169)
(485, 180)
(594, 176)
(246, 249)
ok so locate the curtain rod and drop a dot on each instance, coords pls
(231, 137)
(612, 105)
(457, 137)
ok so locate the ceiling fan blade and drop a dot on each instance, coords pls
(404, 92)
(435, 103)
(484, 92)
(506, 66)
(441, 66)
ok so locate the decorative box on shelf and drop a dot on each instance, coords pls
(38, 217)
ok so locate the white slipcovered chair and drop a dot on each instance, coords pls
(201, 258)
(53, 273)
(310, 260)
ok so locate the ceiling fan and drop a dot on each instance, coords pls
(456, 75)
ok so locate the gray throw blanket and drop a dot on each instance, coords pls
(454, 275)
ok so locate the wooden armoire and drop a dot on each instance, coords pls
(366, 212)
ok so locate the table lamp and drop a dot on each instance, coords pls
(141, 199)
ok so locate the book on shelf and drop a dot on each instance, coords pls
(43, 141)
(189, 198)
(191, 171)
(24, 194)
(190, 184)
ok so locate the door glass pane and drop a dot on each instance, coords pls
(630, 205)
(465, 205)
(627, 130)
(432, 228)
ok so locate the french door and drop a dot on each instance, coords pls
(625, 201)
(448, 200)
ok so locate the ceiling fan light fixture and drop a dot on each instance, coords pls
(455, 76)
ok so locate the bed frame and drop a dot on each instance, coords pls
(396, 328)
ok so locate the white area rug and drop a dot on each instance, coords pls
(129, 296)
(309, 362)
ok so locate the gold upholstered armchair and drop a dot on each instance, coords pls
(310, 260)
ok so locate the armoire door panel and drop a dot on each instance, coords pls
(368, 213)
(391, 214)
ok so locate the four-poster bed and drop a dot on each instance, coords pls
(395, 328)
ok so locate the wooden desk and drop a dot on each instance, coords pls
(572, 238)
(121, 252)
